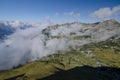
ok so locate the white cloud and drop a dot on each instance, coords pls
(28, 45)
(116, 9)
(106, 13)
(72, 14)
(48, 20)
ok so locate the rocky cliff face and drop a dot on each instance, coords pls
(82, 33)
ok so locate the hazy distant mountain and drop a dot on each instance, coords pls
(9, 27)
(5, 30)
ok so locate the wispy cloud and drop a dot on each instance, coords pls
(72, 14)
(106, 13)
(57, 14)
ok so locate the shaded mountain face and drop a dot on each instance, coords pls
(39, 41)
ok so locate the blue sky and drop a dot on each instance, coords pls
(59, 10)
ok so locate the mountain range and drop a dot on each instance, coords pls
(69, 51)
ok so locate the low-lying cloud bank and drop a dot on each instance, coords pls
(29, 45)
(33, 43)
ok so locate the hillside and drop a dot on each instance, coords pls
(79, 51)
